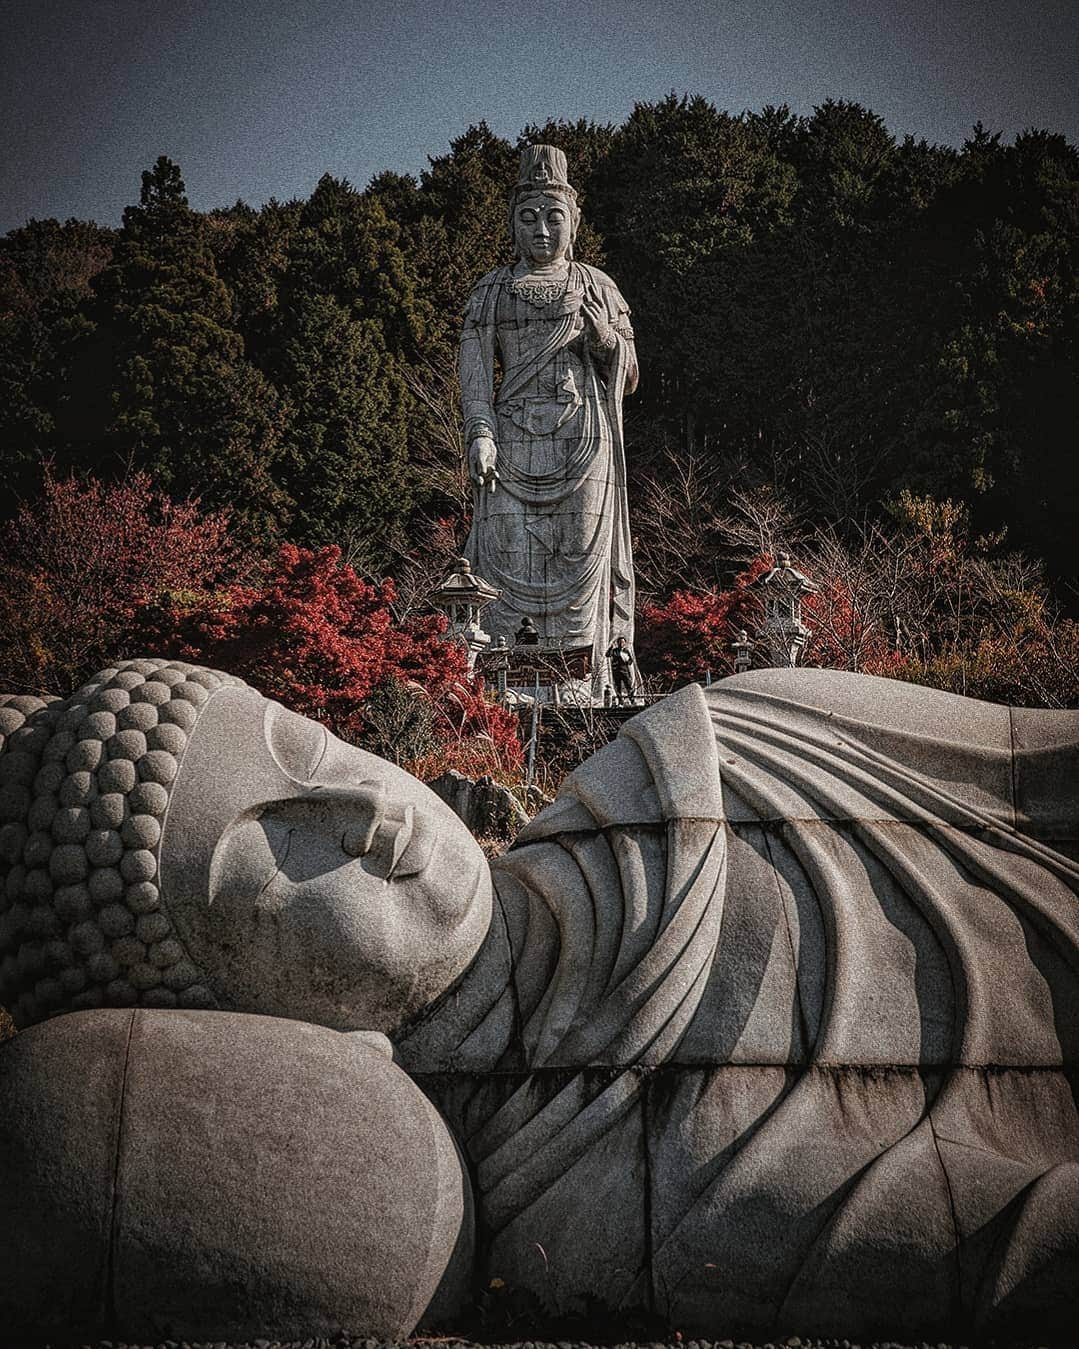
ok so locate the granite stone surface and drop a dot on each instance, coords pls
(487, 808)
(770, 1021)
(793, 921)
(1046, 746)
(550, 526)
(59, 1131)
(191, 1175)
(324, 883)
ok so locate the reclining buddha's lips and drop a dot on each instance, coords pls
(412, 847)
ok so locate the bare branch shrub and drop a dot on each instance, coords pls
(760, 520)
(441, 458)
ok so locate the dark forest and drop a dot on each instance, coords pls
(856, 346)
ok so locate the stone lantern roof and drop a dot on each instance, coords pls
(461, 584)
(787, 574)
(462, 597)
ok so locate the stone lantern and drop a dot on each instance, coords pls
(783, 635)
(742, 646)
(463, 596)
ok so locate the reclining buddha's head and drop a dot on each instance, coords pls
(171, 837)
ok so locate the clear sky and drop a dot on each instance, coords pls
(258, 98)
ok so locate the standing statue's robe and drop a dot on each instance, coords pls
(782, 1031)
(553, 536)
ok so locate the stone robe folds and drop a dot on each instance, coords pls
(554, 535)
(782, 1030)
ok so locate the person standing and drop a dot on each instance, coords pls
(621, 658)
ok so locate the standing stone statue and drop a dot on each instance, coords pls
(551, 526)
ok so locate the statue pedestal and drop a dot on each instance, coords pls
(549, 675)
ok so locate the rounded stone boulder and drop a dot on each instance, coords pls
(193, 1175)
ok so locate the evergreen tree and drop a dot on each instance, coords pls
(185, 403)
(463, 229)
(681, 199)
(45, 274)
(350, 316)
(346, 246)
(345, 464)
(251, 254)
(996, 423)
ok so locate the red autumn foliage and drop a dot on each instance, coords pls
(321, 640)
(82, 560)
(92, 572)
(690, 634)
(846, 635)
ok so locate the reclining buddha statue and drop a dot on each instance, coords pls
(768, 1024)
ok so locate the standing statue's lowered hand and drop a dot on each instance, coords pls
(482, 461)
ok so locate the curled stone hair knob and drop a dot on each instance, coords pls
(84, 789)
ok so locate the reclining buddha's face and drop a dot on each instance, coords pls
(311, 879)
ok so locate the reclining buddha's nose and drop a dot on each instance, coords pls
(372, 825)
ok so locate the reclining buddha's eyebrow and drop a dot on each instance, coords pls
(298, 745)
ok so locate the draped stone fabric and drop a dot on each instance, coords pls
(782, 1032)
(554, 534)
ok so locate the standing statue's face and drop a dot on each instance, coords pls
(313, 880)
(543, 229)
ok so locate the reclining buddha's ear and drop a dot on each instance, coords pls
(574, 225)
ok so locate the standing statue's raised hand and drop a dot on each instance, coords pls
(602, 334)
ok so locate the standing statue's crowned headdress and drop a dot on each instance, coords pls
(544, 170)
